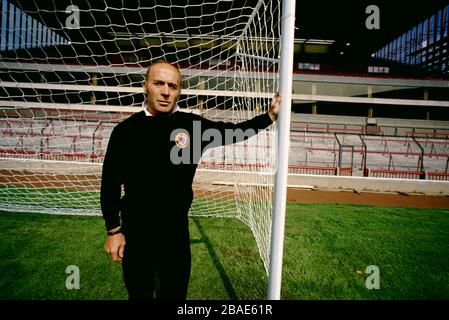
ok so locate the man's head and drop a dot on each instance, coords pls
(162, 87)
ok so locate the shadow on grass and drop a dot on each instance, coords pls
(221, 271)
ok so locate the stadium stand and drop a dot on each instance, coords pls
(323, 145)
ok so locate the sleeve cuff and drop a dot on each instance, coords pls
(112, 224)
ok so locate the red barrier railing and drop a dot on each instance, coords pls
(397, 174)
(443, 176)
(300, 169)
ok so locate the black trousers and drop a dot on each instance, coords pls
(157, 267)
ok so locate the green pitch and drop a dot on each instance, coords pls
(327, 251)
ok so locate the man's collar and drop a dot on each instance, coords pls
(148, 114)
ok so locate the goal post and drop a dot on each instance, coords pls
(283, 143)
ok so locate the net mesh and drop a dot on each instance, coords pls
(69, 73)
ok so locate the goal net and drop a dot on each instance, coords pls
(70, 72)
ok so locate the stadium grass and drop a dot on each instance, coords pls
(325, 247)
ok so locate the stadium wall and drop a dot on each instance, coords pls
(224, 177)
(366, 184)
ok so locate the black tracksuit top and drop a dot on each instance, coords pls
(139, 157)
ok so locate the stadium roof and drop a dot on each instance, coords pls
(343, 22)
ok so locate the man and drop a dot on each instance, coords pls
(147, 228)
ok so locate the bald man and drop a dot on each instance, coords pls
(147, 228)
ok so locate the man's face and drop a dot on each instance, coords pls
(162, 88)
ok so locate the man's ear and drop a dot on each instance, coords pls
(144, 85)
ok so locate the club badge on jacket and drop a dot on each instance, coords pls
(182, 140)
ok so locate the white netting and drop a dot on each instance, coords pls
(70, 72)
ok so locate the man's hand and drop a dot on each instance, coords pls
(273, 110)
(115, 246)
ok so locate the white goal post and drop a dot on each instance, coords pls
(283, 147)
